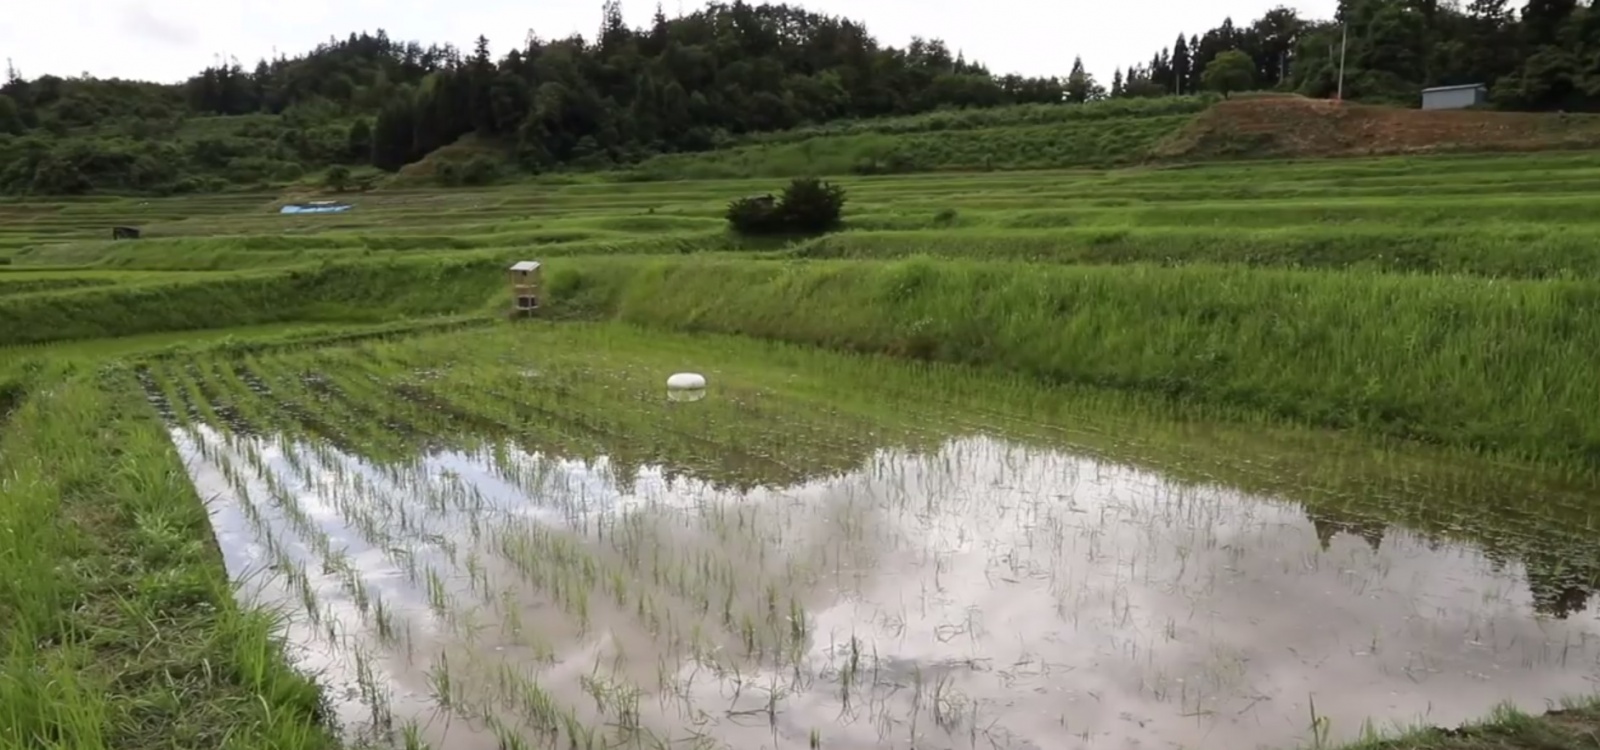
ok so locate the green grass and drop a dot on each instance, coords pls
(1527, 251)
(1497, 366)
(118, 626)
(1574, 727)
(350, 293)
(997, 117)
(1088, 143)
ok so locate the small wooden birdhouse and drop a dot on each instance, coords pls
(527, 279)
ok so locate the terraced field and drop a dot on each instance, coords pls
(542, 548)
(1513, 215)
(1265, 455)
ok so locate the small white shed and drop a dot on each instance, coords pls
(527, 278)
(1455, 97)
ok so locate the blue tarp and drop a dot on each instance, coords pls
(318, 207)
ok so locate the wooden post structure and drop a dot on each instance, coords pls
(527, 280)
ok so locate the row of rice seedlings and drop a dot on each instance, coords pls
(251, 409)
(373, 608)
(333, 561)
(156, 395)
(252, 413)
(377, 389)
(319, 374)
(356, 497)
(201, 389)
(321, 416)
(290, 397)
(174, 392)
(733, 522)
(715, 425)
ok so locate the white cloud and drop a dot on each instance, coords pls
(138, 21)
(169, 40)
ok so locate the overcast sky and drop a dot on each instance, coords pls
(169, 40)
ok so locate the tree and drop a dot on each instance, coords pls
(10, 116)
(337, 178)
(1081, 86)
(1180, 65)
(807, 205)
(1228, 72)
(359, 140)
(392, 136)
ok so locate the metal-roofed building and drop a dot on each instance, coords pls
(1455, 97)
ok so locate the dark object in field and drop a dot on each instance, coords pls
(526, 278)
(808, 206)
(124, 233)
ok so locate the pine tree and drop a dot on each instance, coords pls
(613, 30)
(1116, 84)
(1196, 64)
(1180, 66)
(1080, 85)
(480, 82)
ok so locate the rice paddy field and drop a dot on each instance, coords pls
(1268, 455)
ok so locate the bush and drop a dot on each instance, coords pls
(808, 206)
(811, 205)
(755, 215)
(479, 170)
(337, 178)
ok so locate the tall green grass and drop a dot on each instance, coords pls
(1488, 365)
(1094, 143)
(256, 252)
(350, 293)
(1524, 251)
(997, 117)
(118, 627)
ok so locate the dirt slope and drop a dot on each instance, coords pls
(1298, 127)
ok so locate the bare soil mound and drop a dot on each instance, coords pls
(1299, 127)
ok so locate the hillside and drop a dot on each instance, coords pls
(775, 89)
(1294, 127)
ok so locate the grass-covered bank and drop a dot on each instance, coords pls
(347, 293)
(1524, 251)
(1481, 364)
(1575, 727)
(1069, 143)
(118, 627)
(1476, 363)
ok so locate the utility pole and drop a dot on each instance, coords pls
(1344, 35)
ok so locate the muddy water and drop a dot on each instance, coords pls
(985, 594)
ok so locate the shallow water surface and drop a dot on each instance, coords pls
(979, 594)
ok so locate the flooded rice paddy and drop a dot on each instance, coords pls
(850, 586)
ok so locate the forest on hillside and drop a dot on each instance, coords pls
(1543, 55)
(708, 78)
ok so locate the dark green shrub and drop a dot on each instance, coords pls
(811, 205)
(807, 206)
(758, 214)
(337, 178)
(479, 170)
